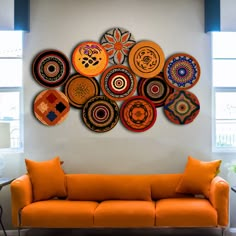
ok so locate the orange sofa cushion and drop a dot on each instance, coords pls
(47, 178)
(185, 212)
(164, 186)
(58, 214)
(96, 187)
(125, 214)
(197, 176)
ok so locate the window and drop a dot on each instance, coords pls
(11, 114)
(224, 91)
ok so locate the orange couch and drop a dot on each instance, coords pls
(103, 200)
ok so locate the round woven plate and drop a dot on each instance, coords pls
(182, 107)
(156, 89)
(181, 71)
(138, 114)
(117, 42)
(51, 68)
(100, 114)
(89, 59)
(146, 59)
(79, 89)
(118, 82)
(51, 107)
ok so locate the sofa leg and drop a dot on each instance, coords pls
(18, 231)
(222, 231)
(19, 222)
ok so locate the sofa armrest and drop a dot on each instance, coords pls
(21, 196)
(219, 198)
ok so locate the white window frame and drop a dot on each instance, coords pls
(18, 89)
(216, 148)
(222, 89)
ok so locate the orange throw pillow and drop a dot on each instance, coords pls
(47, 178)
(197, 176)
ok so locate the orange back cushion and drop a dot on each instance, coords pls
(164, 186)
(100, 187)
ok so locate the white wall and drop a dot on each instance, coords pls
(177, 26)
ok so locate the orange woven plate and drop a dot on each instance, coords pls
(51, 107)
(146, 59)
(89, 59)
(80, 88)
(138, 114)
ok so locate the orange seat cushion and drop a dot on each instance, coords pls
(58, 214)
(125, 214)
(197, 176)
(47, 178)
(101, 187)
(185, 212)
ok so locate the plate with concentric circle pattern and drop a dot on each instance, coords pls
(138, 113)
(156, 89)
(100, 114)
(118, 82)
(182, 107)
(51, 68)
(51, 107)
(181, 71)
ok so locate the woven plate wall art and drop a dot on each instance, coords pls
(138, 114)
(146, 59)
(156, 89)
(51, 107)
(182, 107)
(79, 89)
(118, 82)
(181, 71)
(100, 114)
(117, 42)
(51, 68)
(89, 59)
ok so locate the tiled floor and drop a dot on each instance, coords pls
(119, 232)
